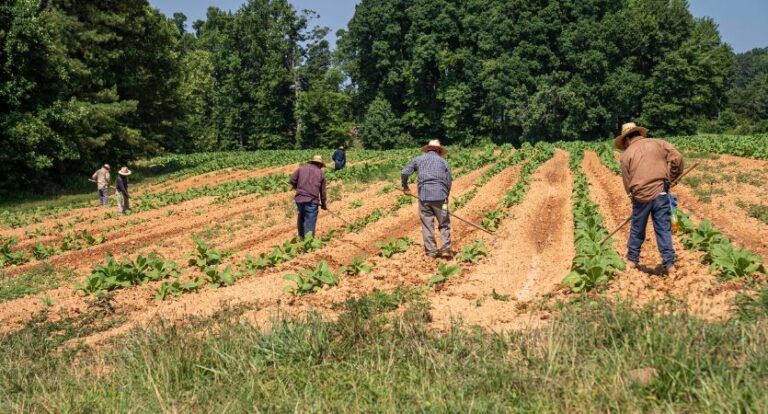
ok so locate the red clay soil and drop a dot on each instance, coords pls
(722, 211)
(411, 268)
(267, 287)
(136, 301)
(177, 247)
(693, 284)
(533, 254)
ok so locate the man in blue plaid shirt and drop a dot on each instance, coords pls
(434, 188)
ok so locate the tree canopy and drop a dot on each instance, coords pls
(85, 83)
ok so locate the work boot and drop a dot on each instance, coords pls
(432, 255)
(447, 253)
(670, 272)
(631, 264)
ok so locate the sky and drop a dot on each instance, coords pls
(743, 23)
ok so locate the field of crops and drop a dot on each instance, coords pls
(209, 248)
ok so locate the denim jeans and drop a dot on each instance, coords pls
(307, 219)
(661, 212)
(104, 196)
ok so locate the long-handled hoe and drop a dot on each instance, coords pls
(481, 228)
(628, 219)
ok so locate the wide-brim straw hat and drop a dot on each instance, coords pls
(626, 129)
(318, 159)
(434, 145)
(106, 166)
(125, 171)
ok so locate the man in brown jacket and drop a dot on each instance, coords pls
(647, 168)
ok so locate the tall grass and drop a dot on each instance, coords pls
(369, 361)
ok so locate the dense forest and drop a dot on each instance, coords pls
(82, 83)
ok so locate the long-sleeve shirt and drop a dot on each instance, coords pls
(434, 174)
(309, 183)
(340, 159)
(121, 184)
(101, 176)
(646, 165)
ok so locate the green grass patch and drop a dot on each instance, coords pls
(380, 356)
(39, 279)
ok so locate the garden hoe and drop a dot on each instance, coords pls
(465, 221)
(628, 219)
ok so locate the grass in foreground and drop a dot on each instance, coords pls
(368, 360)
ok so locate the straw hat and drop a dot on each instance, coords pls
(124, 171)
(434, 145)
(627, 129)
(318, 159)
(106, 166)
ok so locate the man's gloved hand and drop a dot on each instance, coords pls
(324, 206)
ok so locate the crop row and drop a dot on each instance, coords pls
(208, 260)
(74, 241)
(723, 257)
(754, 146)
(594, 264)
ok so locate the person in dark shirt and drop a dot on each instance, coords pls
(121, 185)
(340, 158)
(309, 183)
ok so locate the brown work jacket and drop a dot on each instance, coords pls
(646, 165)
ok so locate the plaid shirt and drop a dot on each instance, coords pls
(434, 176)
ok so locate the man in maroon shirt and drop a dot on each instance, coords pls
(309, 183)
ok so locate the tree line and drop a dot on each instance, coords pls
(106, 80)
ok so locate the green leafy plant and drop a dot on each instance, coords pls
(357, 267)
(444, 272)
(216, 278)
(394, 247)
(7, 257)
(113, 275)
(492, 218)
(177, 288)
(356, 204)
(734, 263)
(204, 256)
(251, 265)
(311, 280)
(472, 253)
(594, 264)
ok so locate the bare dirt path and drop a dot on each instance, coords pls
(693, 284)
(534, 253)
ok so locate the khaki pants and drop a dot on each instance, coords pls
(428, 212)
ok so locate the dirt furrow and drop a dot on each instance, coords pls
(534, 253)
(267, 288)
(692, 284)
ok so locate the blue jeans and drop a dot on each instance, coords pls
(104, 196)
(307, 219)
(661, 212)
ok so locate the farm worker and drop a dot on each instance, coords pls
(121, 184)
(434, 187)
(309, 183)
(101, 178)
(647, 168)
(339, 158)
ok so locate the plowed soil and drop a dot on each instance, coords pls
(512, 288)
(692, 284)
(533, 254)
